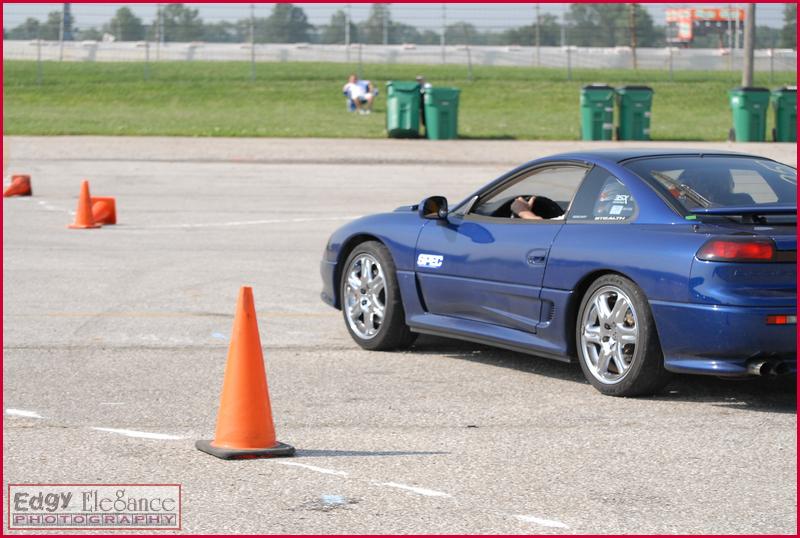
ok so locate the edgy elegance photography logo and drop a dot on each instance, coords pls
(94, 506)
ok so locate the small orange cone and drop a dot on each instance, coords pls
(83, 217)
(245, 429)
(20, 186)
(104, 209)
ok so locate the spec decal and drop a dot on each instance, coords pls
(430, 260)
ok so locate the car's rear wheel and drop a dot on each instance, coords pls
(371, 304)
(616, 338)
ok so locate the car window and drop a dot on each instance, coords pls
(557, 183)
(713, 181)
(602, 198)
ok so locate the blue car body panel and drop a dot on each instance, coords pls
(519, 285)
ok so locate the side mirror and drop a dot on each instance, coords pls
(433, 207)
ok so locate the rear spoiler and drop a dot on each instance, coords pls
(746, 210)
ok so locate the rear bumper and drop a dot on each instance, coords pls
(328, 272)
(720, 340)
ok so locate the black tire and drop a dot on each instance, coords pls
(392, 332)
(644, 373)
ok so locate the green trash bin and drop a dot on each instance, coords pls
(402, 109)
(785, 102)
(635, 105)
(441, 113)
(597, 112)
(749, 107)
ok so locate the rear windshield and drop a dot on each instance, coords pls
(698, 182)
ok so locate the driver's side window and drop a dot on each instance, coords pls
(557, 183)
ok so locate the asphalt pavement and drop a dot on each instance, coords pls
(115, 340)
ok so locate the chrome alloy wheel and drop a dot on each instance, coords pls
(365, 296)
(609, 335)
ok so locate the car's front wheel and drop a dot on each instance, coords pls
(616, 338)
(371, 304)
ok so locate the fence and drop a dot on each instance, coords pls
(766, 60)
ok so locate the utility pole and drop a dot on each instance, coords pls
(538, 37)
(737, 30)
(730, 37)
(252, 42)
(158, 31)
(61, 33)
(347, 32)
(633, 35)
(444, 30)
(749, 45)
(385, 23)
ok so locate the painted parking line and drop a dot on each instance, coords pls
(140, 435)
(541, 521)
(314, 468)
(23, 413)
(419, 491)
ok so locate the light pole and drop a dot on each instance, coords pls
(749, 45)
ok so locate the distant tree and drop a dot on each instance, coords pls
(181, 24)
(400, 33)
(287, 24)
(27, 30)
(372, 28)
(768, 37)
(51, 29)
(429, 37)
(460, 33)
(549, 33)
(789, 31)
(334, 31)
(88, 34)
(227, 32)
(125, 26)
(608, 25)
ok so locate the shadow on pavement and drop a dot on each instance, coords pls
(361, 453)
(768, 394)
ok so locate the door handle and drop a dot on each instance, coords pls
(536, 256)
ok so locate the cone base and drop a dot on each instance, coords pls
(280, 450)
(82, 226)
(12, 194)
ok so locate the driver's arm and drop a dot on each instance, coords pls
(522, 208)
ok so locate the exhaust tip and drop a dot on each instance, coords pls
(761, 367)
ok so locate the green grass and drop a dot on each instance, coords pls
(304, 100)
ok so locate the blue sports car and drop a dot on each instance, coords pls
(635, 263)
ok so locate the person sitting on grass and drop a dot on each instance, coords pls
(361, 94)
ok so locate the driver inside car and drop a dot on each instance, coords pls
(536, 208)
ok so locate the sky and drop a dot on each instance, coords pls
(428, 15)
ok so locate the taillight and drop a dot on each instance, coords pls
(737, 250)
(782, 320)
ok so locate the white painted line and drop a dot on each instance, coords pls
(49, 207)
(542, 522)
(420, 491)
(23, 413)
(246, 222)
(142, 435)
(313, 468)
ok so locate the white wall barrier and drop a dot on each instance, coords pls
(556, 57)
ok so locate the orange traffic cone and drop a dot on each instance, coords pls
(83, 217)
(20, 186)
(104, 209)
(245, 428)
